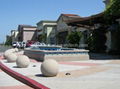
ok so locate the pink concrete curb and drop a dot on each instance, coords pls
(1, 57)
(22, 78)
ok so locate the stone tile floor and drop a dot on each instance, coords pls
(90, 74)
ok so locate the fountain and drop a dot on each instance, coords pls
(58, 53)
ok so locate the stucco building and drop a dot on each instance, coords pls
(106, 33)
(63, 29)
(14, 35)
(46, 31)
(27, 33)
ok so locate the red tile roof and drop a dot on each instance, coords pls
(86, 20)
(70, 15)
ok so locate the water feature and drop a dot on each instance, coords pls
(58, 53)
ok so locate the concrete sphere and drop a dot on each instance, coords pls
(11, 57)
(49, 68)
(11, 50)
(22, 61)
(6, 53)
(16, 49)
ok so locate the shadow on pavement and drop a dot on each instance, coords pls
(100, 56)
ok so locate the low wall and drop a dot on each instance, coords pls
(60, 55)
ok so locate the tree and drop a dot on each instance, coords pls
(42, 38)
(112, 11)
(96, 41)
(8, 40)
(74, 38)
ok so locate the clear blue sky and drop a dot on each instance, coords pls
(15, 12)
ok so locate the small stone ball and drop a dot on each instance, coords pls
(16, 49)
(49, 68)
(22, 61)
(6, 53)
(11, 50)
(11, 57)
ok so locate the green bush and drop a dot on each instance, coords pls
(9, 41)
(96, 41)
(74, 38)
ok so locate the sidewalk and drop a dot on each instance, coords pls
(89, 74)
(8, 82)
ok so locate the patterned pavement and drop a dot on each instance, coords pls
(90, 74)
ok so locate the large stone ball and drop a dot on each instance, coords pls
(49, 68)
(22, 61)
(11, 57)
(8, 52)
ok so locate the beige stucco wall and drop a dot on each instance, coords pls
(28, 35)
(47, 28)
(29, 29)
(49, 24)
(42, 25)
(61, 25)
(50, 34)
(14, 34)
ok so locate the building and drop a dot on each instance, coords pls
(14, 35)
(27, 33)
(86, 26)
(46, 31)
(97, 22)
(63, 29)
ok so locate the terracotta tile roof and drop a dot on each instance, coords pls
(85, 20)
(71, 15)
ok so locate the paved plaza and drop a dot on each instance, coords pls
(88, 74)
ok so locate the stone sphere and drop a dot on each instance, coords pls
(11, 50)
(16, 49)
(6, 53)
(49, 68)
(22, 61)
(11, 57)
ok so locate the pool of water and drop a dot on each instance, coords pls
(51, 48)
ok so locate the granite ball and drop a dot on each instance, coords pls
(16, 49)
(11, 57)
(6, 53)
(22, 61)
(49, 68)
(11, 50)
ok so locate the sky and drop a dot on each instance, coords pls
(29, 12)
